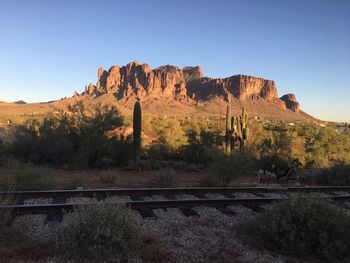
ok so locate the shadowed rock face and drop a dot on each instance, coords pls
(171, 82)
(291, 102)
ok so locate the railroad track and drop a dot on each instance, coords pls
(58, 205)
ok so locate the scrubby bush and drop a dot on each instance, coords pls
(338, 174)
(100, 232)
(28, 177)
(108, 176)
(303, 227)
(224, 168)
(79, 140)
(164, 178)
(273, 164)
(200, 146)
(160, 149)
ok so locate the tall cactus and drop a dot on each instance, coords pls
(242, 128)
(236, 129)
(137, 131)
(229, 133)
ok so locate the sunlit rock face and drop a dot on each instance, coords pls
(188, 83)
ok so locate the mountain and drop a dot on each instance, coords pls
(171, 82)
(173, 91)
(170, 90)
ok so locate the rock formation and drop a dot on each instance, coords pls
(291, 102)
(171, 82)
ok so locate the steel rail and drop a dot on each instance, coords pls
(62, 208)
(164, 191)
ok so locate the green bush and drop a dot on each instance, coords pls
(224, 168)
(200, 146)
(159, 151)
(28, 177)
(338, 174)
(164, 178)
(98, 233)
(303, 227)
(78, 140)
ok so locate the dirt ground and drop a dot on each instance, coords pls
(126, 178)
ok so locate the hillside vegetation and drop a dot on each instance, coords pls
(102, 139)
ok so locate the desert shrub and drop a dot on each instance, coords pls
(302, 227)
(29, 177)
(159, 150)
(153, 250)
(98, 233)
(325, 147)
(273, 164)
(108, 176)
(77, 181)
(164, 178)
(338, 174)
(79, 140)
(224, 168)
(200, 146)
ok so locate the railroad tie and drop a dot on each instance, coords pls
(137, 198)
(225, 210)
(147, 213)
(100, 196)
(201, 196)
(56, 216)
(144, 212)
(187, 211)
(255, 208)
(229, 195)
(259, 194)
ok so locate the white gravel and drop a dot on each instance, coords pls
(34, 227)
(342, 193)
(186, 197)
(37, 201)
(80, 200)
(154, 198)
(120, 198)
(210, 238)
(216, 196)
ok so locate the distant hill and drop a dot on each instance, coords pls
(20, 102)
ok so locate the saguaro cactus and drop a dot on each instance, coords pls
(137, 131)
(228, 133)
(242, 133)
(236, 129)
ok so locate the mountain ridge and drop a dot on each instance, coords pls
(187, 86)
(173, 91)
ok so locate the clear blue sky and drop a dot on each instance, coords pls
(48, 49)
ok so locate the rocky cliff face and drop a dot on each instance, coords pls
(171, 82)
(291, 102)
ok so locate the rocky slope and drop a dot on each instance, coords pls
(187, 85)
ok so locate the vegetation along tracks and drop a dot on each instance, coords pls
(252, 197)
